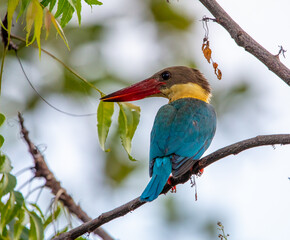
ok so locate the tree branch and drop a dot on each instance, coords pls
(42, 170)
(204, 162)
(246, 41)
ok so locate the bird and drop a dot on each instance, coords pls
(183, 129)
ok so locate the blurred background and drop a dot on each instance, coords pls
(120, 43)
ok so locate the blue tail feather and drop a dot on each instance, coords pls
(161, 171)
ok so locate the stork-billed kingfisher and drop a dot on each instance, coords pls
(183, 129)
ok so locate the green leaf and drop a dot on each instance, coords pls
(36, 231)
(4, 213)
(24, 4)
(104, 117)
(5, 164)
(15, 203)
(52, 217)
(50, 2)
(7, 184)
(129, 117)
(37, 208)
(45, 2)
(38, 23)
(25, 234)
(29, 20)
(78, 7)
(93, 2)
(19, 225)
(60, 7)
(34, 15)
(66, 15)
(123, 129)
(65, 9)
(1, 140)
(12, 4)
(2, 119)
(58, 29)
(65, 230)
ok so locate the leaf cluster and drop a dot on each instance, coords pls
(39, 15)
(17, 221)
(128, 120)
(20, 219)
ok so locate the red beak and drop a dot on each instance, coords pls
(137, 91)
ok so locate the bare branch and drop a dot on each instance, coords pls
(204, 162)
(232, 149)
(246, 41)
(42, 170)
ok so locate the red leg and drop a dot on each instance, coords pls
(200, 172)
(169, 181)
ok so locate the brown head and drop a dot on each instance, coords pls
(172, 82)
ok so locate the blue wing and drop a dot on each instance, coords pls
(182, 129)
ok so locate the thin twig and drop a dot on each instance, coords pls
(27, 182)
(38, 195)
(21, 171)
(62, 63)
(43, 99)
(33, 190)
(204, 162)
(42, 170)
(281, 51)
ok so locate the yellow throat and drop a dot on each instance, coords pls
(187, 90)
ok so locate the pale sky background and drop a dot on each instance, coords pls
(249, 193)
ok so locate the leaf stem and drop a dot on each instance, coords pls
(2, 65)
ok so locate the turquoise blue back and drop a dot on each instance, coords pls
(181, 133)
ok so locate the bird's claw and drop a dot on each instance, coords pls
(200, 172)
(173, 188)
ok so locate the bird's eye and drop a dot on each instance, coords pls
(165, 75)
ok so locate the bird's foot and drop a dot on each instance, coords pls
(200, 172)
(173, 189)
(169, 181)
